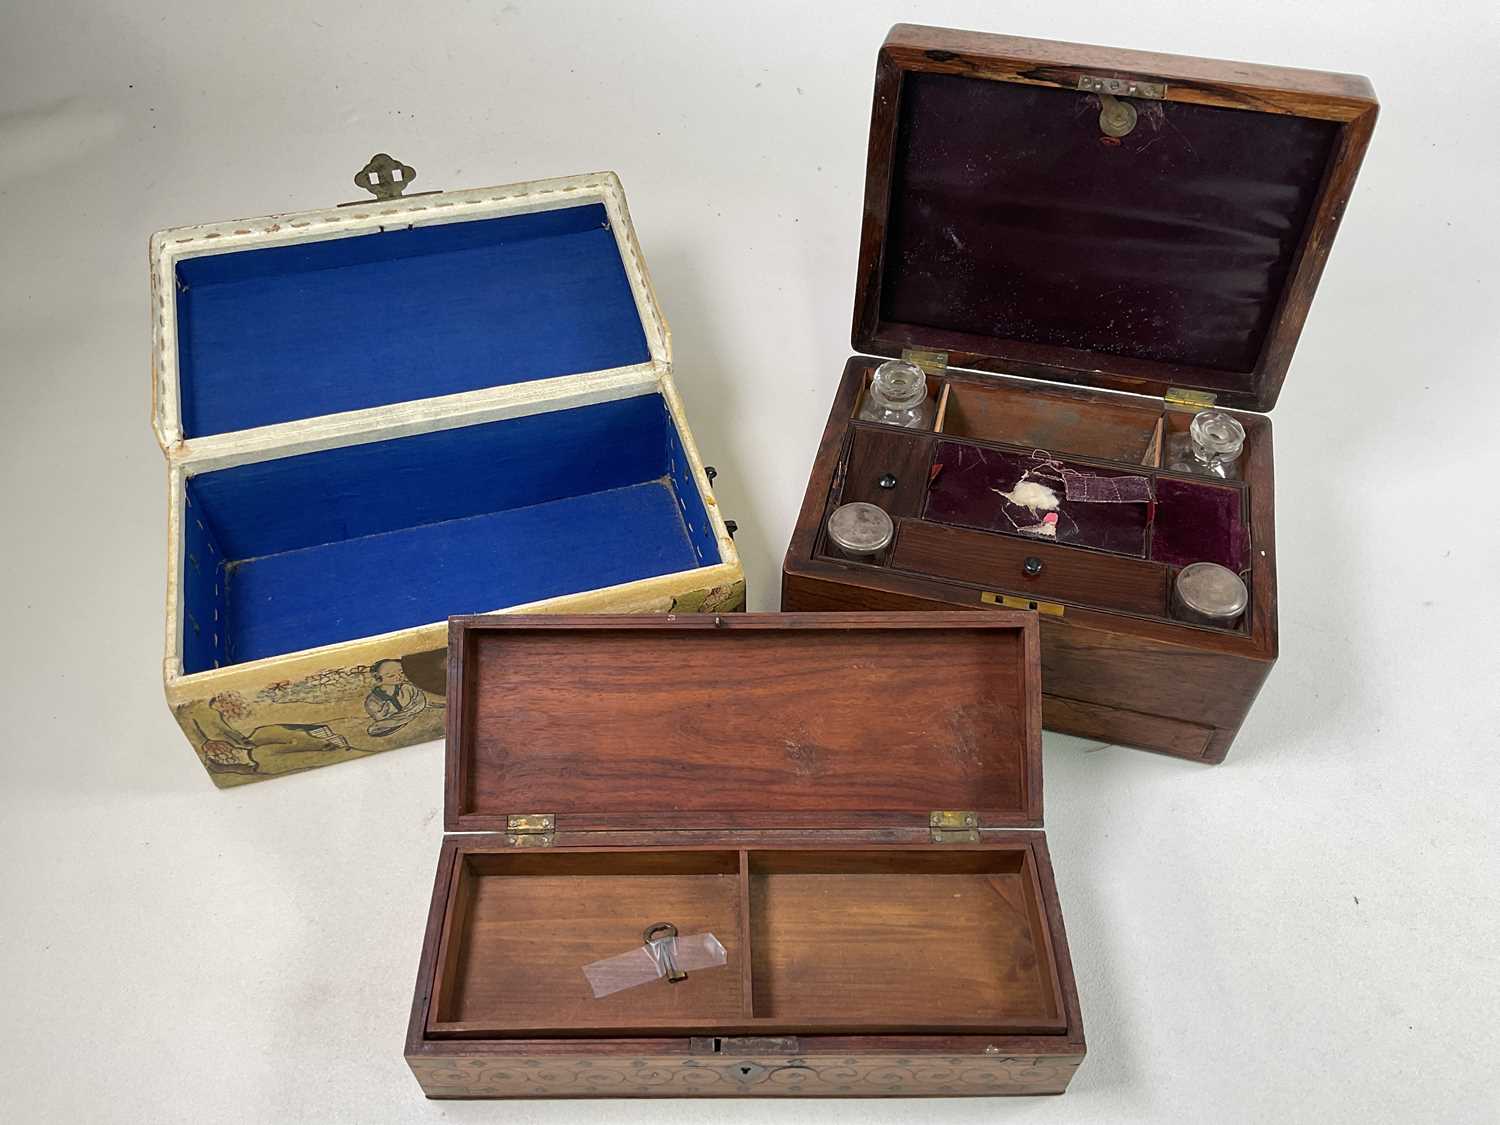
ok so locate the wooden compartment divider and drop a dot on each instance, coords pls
(856, 940)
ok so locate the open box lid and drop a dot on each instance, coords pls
(463, 298)
(745, 721)
(1119, 219)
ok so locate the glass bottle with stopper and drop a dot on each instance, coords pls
(1211, 446)
(897, 396)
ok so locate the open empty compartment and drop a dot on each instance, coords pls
(896, 938)
(1057, 421)
(294, 552)
(315, 510)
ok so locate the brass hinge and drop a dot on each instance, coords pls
(530, 830)
(934, 363)
(1010, 602)
(1190, 400)
(949, 827)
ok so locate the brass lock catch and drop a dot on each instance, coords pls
(1117, 118)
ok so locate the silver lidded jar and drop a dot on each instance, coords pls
(897, 396)
(860, 531)
(1206, 593)
(1211, 446)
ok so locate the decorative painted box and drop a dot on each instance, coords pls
(1082, 249)
(760, 854)
(382, 414)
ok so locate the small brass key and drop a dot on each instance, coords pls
(664, 933)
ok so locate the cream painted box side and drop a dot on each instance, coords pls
(316, 707)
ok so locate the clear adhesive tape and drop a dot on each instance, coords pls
(652, 961)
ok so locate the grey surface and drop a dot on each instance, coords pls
(1306, 933)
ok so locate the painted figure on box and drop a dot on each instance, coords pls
(394, 701)
(329, 716)
(267, 749)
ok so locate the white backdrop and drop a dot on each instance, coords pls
(1305, 933)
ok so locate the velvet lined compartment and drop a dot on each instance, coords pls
(1199, 522)
(965, 492)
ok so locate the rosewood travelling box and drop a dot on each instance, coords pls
(850, 804)
(1147, 228)
(379, 415)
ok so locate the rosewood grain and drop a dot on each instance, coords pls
(751, 720)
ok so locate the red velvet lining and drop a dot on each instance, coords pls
(1199, 522)
(1014, 217)
(966, 490)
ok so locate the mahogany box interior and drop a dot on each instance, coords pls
(1075, 297)
(785, 797)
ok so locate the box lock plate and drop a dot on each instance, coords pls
(1051, 609)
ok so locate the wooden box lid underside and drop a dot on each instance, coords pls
(1006, 224)
(746, 721)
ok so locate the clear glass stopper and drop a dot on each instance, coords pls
(1217, 437)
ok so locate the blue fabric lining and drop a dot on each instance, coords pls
(700, 533)
(348, 542)
(317, 328)
(205, 600)
(356, 587)
(356, 490)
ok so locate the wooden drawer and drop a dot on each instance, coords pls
(999, 562)
(1116, 725)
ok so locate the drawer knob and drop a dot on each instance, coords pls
(888, 481)
(1032, 566)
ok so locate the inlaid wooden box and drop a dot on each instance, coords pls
(378, 415)
(1082, 247)
(850, 803)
